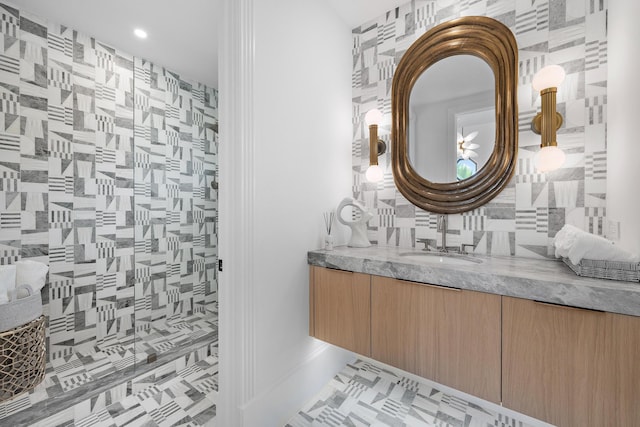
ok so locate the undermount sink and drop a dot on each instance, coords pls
(441, 258)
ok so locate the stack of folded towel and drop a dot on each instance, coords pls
(575, 244)
(25, 272)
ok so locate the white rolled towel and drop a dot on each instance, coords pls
(7, 282)
(32, 273)
(576, 244)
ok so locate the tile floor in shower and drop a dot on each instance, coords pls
(164, 397)
(94, 377)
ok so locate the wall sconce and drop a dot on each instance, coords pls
(376, 146)
(548, 121)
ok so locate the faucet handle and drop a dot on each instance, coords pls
(463, 245)
(425, 241)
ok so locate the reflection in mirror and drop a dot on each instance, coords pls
(451, 123)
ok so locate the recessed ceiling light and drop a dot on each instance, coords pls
(140, 33)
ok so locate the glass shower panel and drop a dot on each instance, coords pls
(175, 214)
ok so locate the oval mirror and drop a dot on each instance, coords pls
(454, 115)
(451, 129)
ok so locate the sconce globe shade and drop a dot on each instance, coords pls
(374, 173)
(373, 117)
(549, 159)
(549, 76)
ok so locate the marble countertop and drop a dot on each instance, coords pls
(541, 280)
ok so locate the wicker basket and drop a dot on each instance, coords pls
(614, 270)
(22, 358)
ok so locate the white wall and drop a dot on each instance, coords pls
(303, 142)
(278, 175)
(623, 149)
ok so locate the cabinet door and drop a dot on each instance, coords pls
(340, 308)
(447, 335)
(554, 363)
(624, 349)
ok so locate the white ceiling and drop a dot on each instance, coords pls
(183, 35)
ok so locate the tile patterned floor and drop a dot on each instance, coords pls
(185, 398)
(90, 363)
(366, 394)
(180, 392)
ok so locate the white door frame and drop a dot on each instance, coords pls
(236, 216)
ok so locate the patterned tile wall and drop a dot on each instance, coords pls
(175, 206)
(106, 164)
(525, 217)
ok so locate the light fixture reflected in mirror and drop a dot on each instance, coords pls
(376, 146)
(464, 145)
(548, 121)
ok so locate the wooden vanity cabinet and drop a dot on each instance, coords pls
(568, 366)
(339, 308)
(448, 335)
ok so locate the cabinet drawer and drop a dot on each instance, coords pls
(448, 335)
(340, 308)
(554, 363)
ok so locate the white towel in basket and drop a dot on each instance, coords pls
(575, 244)
(7, 282)
(32, 273)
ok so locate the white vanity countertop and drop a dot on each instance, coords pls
(541, 280)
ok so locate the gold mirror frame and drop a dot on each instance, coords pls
(493, 42)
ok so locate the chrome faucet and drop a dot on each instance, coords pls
(442, 228)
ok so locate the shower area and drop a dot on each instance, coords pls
(108, 175)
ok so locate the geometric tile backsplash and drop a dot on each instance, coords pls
(523, 219)
(106, 166)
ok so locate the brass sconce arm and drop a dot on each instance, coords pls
(376, 146)
(548, 120)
